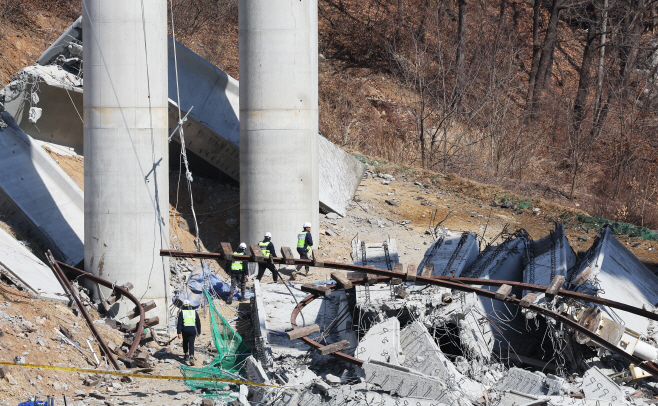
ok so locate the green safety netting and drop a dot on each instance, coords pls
(227, 364)
(617, 227)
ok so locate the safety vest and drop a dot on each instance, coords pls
(301, 241)
(237, 265)
(263, 248)
(189, 318)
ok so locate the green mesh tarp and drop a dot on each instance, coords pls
(227, 364)
(618, 227)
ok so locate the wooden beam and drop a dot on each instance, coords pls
(398, 268)
(227, 251)
(341, 280)
(371, 279)
(335, 347)
(503, 291)
(428, 270)
(286, 253)
(317, 258)
(256, 254)
(115, 348)
(128, 362)
(411, 273)
(317, 290)
(150, 305)
(152, 321)
(555, 285)
(528, 299)
(303, 332)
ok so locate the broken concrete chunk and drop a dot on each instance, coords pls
(381, 343)
(598, 385)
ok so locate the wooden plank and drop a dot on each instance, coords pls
(503, 291)
(128, 362)
(66, 332)
(286, 253)
(152, 321)
(256, 254)
(528, 299)
(227, 251)
(317, 290)
(411, 273)
(428, 270)
(115, 348)
(583, 276)
(371, 279)
(555, 285)
(341, 280)
(317, 258)
(335, 347)
(303, 332)
(146, 306)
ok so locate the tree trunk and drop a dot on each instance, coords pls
(604, 35)
(461, 49)
(546, 58)
(585, 81)
(536, 52)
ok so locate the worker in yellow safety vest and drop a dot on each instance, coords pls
(238, 272)
(267, 248)
(189, 326)
(304, 246)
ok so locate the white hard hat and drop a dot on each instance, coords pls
(243, 246)
(186, 302)
(268, 234)
(307, 225)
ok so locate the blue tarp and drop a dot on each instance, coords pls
(202, 279)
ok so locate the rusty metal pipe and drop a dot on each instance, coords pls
(124, 292)
(68, 287)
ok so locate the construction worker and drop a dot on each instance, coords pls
(304, 246)
(238, 272)
(267, 248)
(189, 326)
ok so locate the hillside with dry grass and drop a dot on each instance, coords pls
(552, 100)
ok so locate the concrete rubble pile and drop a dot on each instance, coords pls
(428, 345)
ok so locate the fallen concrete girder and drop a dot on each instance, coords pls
(28, 270)
(209, 95)
(548, 257)
(451, 253)
(46, 197)
(610, 270)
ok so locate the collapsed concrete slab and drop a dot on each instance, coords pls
(451, 253)
(611, 271)
(46, 197)
(378, 255)
(422, 354)
(20, 265)
(405, 382)
(550, 256)
(340, 176)
(598, 385)
(259, 319)
(381, 343)
(533, 383)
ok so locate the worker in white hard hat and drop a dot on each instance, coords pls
(304, 246)
(189, 326)
(238, 272)
(267, 248)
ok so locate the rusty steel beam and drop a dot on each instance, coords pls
(68, 287)
(123, 291)
(465, 281)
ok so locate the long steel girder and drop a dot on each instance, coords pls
(461, 284)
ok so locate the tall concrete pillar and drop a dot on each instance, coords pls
(278, 119)
(125, 147)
